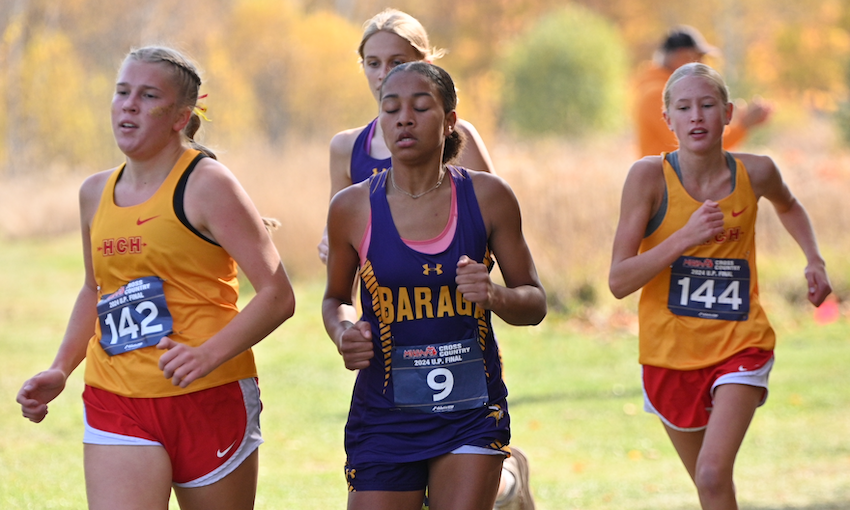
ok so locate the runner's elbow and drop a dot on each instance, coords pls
(618, 287)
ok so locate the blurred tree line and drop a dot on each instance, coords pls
(278, 69)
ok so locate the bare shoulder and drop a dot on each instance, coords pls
(94, 184)
(646, 177)
(349, 212)
(342, 143)
(494, 195)
(91, 192)
(210, 176)
(351, 198)
(488, 185)
(214, 197)
(763, 172)
(651, 167)
(756, 163)
(92, 187)
(466, 127)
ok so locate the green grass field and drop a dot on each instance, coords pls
(576, 409)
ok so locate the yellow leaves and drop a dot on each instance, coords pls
(331, 92)
(477, 102)
(63, 103)
(232, 100)
(283, 71)
(812, 60)
(13, 31)
(278, 67)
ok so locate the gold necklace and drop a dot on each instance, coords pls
(411, 195)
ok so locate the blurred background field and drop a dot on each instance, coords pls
(282, 78)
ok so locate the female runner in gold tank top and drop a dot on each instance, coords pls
(162, 236)
(686, 238)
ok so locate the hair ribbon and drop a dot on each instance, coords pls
(200, 109)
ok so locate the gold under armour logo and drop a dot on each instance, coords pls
(427, 270)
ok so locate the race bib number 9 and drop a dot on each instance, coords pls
(134, 316)
(710, 288)
(439, 378)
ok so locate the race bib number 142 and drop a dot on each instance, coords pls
(134, 316)
(710, 288)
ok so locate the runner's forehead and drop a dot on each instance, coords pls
(407, 84)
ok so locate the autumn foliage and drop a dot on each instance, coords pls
(277, 68)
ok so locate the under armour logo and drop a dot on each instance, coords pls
(427, 270)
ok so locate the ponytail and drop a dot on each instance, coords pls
(454, 146)
(189, 132)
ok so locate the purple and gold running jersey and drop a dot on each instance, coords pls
(363, 165)
(435, 383)
(705, 307)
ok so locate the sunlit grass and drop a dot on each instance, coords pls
(575, 403)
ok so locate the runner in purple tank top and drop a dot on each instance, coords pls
(429, 404)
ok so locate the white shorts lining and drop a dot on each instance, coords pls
(478, 450)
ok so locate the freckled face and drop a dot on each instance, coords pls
(412, 117)
(697, 113)
(145, 116)
(381, 53)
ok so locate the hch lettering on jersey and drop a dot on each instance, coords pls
(122, 246)
(408, 304)
(729, 235)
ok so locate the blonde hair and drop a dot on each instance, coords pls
(403, 25)
(187, 80)
(696, 69)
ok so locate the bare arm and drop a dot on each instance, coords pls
(522, 300)
(767, 182)
(45, 386)
(642, 195)
(346, 222)
(218, 206)
(342, 146)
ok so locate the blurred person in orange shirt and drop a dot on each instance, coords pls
(683, 44)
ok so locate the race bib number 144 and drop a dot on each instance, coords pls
(134, 316)
(710, 288)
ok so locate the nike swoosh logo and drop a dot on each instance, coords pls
(141, 221)
(736, 214)
(221, 454)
